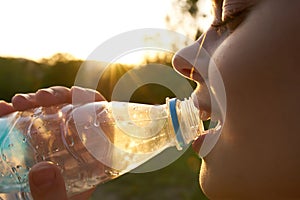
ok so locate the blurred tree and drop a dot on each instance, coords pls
(190, 6)
(19, 75)
(58, 57)
(61, 73)
(61, 69)
(186, 16)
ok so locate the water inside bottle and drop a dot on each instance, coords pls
(129, 134)
(89, 150)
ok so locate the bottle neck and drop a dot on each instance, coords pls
(185, 120)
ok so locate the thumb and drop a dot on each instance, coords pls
(46, 182)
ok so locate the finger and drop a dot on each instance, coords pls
(53, 96)
(24, 101)
(84, 95)
(46, 182)
(6, 108)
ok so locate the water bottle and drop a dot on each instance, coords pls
(91, 143)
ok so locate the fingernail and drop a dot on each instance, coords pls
(43, 175)
(24, 96)
(45, 91)
(28, 96)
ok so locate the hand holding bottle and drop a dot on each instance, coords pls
(46, 181)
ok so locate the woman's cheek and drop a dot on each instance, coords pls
(247, 154)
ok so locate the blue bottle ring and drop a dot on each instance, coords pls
(175, 121)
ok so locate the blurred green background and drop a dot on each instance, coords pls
(176, 181)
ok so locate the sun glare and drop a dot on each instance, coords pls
(154, 44)
(39, 29)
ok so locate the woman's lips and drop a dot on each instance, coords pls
(207, 140)
(203, 107)
(198, 143)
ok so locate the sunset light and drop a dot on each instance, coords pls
(36, 29)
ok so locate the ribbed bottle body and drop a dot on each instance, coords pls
(91, 143)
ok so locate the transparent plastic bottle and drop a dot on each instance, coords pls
(91, 143)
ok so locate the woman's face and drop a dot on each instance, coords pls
(255, 45)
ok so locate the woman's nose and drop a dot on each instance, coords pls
(183, 60)
(193, 61)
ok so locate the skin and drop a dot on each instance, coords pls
(257, 155)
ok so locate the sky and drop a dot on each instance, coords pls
(36, 29)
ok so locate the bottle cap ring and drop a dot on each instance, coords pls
(175, 121)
